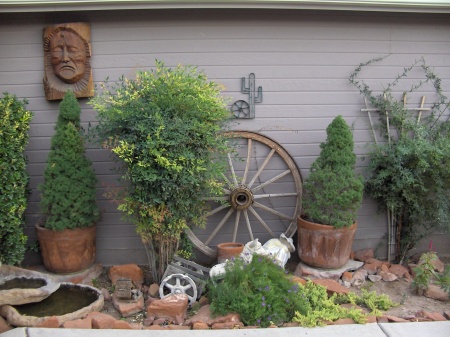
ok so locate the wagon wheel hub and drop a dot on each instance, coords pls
(241, 198)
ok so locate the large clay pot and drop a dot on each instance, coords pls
(324, 246)
(67, 251)
(227, 250)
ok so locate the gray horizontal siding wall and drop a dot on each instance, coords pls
(302, 59)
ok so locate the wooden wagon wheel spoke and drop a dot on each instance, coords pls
(249, 226)
(236, 224)
(233, 174)
(258, 165)
(270, 181)
(247, 162)
(250, 184)
(218, 209)
(281, 215)
(219, 226)
(261, 196)
(261, 221)
(228, 182)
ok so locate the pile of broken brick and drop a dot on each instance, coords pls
(172, 311)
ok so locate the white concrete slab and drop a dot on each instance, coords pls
(351, 330)
(425, 329)
(17, 332)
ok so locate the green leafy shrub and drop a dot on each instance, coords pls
(68, 192)
(14, 124)
(259, 291)
(262, 294)
(164, 127)
(332, 191)
(410, 168)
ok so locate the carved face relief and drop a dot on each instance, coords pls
(67, 60)
(68, 56)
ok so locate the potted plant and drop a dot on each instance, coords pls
(14, 125)
(165, 128)
(332, 195)
(66, 233)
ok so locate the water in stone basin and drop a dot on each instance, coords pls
(66, 299)
(23, 283)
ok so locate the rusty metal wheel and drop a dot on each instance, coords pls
(262, 195)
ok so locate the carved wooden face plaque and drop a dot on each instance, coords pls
(67, 60)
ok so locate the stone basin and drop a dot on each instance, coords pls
(28, 286)
(69, 302)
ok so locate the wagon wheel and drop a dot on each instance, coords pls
(262, 195)
(177, 284)
(240, 109)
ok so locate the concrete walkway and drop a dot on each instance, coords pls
(427, 329)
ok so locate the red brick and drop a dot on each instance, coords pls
(347, 276)
(200, 326)
(227, 325)
(342, 321)
(101, 320)
(4, 326)
(85, 323)
(130, 271)
(119, 324)
(332, 286)
(178, 327)
(395, 319)
(433, 316)
(364, 254)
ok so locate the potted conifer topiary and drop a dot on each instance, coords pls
(67, 232)
(332, 195)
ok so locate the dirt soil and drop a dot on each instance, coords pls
(400, 291)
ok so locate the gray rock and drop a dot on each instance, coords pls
(304, 270)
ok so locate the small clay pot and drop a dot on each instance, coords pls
(227, 250)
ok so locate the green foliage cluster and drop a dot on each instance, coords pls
(410, 169)
(259, 291)
(333, 192)
(14, 125)
(425, 274)
(68, 192)
(370, 300)
(164, 126)
(324, 308)
(262, 294)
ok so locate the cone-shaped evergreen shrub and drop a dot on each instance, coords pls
(68, 193)
(333, 192)
(14, 125)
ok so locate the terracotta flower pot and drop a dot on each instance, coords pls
(324, 246)
(67, 251)
(227, 250)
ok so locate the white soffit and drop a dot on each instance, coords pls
(421, 6)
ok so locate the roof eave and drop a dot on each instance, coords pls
(437, 6)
